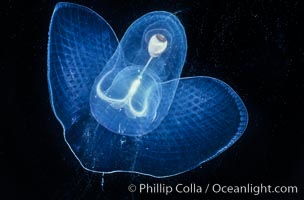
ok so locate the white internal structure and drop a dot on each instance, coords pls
(157, 45)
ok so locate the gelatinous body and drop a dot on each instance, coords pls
(129, 96)
(123, 105)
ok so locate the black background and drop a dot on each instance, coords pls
(254, 46)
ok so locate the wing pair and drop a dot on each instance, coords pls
(205, 118)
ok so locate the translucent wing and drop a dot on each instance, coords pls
(206, 117)
(80, 43)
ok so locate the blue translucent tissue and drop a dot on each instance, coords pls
(123, 105)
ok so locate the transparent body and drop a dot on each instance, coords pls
(123, 105)
(129, 96)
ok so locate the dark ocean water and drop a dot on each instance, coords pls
(254, 46)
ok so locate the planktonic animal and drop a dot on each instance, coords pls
(123, 105)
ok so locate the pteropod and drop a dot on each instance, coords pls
(123, 104)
